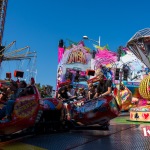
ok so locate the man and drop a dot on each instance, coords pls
(8, 108)
(62, 93)
(104, 86)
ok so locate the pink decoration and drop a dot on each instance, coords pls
(142, 102)
(81, 43)
(60, 53)
(106, 56)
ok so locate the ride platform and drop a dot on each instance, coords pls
(122, 135)
(141, 113)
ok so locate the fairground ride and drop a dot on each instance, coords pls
(21, 54)
(139, 44)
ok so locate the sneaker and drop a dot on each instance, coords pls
(5, 120)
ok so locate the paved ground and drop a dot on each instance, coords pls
(122, 135)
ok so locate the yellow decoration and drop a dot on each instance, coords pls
(87, 49)
(144, 88)
(118, 98)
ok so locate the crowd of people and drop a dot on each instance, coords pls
(103, 88)
(9, 94)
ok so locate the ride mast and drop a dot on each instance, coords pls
(3, 8)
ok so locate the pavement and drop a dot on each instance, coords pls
(122, 135)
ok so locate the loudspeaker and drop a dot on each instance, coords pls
(90, 72)
(125, 74)
(8, 75)
(117, 73)
(93, 54)
(61, 43)
(18, 74)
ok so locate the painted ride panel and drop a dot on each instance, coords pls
(24, 114)
(140, 113)
(134, 88)
(94, 111)
(125, 96)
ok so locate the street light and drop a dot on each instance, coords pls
(87, 38)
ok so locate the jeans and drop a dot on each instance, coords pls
(7, 109)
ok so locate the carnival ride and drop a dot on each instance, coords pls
(139, 44)
(122, 67)
(36, 113)
(89, 63)
(7, 54)
(33, 114)
(30, 111)
(76, 62)
(17, 58)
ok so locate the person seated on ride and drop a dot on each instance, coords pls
(81, 93)
(71, 91)
(76, 92)
(91, 91)
(4, 93)
(62, 93)
(65, 93)
(7, 109)
(104, 86)
(22, 88)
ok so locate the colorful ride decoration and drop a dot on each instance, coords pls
(77, 65)
(144, 88)
(124, 97)
(76, 59)
(134, 88)
(79, 60)
(139, 44)
(72, 65)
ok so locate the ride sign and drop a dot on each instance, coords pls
(25, 107)
(76, 57)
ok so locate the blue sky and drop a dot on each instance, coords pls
(41, 24)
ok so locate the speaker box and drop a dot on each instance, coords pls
(117, 73)
(18, 74)
(8, 75)
(90, 72)
(125, 74)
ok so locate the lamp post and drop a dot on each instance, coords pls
(87, 38)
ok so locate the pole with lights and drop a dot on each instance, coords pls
(87, 38)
